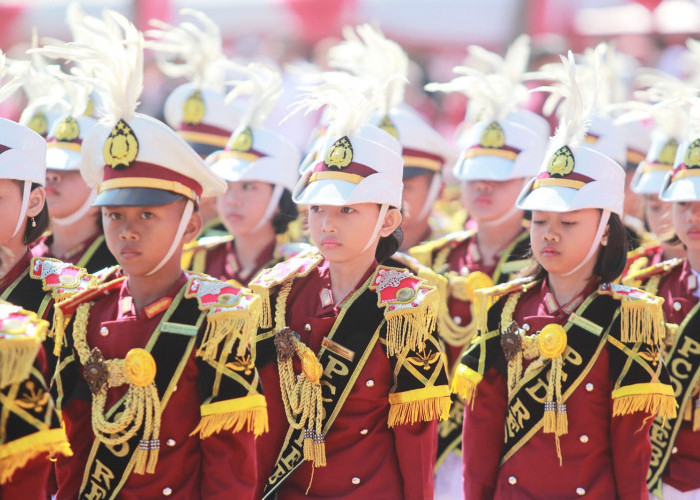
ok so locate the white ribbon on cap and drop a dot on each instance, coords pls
(604, 217)
(271, 206)
(177, 240)
(78, 214)
(380, 220)
(23, 210)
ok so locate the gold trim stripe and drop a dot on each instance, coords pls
(204, 138)
(643, 388)
(420, 162)
(656, 167)
(146, 182)
(502, 153)
(688, 172)
(568, 183)
(73, 146)
(231, 405)
(239, 155)
(340, 176)
(436, 391)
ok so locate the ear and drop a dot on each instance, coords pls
(392, 220)
(194, 226)
(37, 198)
(604, 238)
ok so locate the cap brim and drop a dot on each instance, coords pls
(549, 199)
(682, 190)
(135, 197)
(62, 159)
(202, 149)
(484, 168)
(411, 172)
(326, 192)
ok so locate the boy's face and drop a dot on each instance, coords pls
(139, 237)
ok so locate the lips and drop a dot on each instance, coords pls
(483, 200)
(549, 252)
(694, 233)
(329, 243)
(50, 190)
(129, 253)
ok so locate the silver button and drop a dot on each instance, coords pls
(513, 480)
(677, 306)
(370, 383)
(580, 491)
(457, 319)
(526, 327)
(355, 480)
(307, 327)
(167, 491)
(174, 388)
(104, 331)
(364, 432)
(589, 387)
(170, 442)
(583, 438)
(464, 271)
(674, 450)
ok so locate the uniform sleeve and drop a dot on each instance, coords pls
(483, 435)
(229, 466)
(29, 482)
(416, 446)
(631, 453)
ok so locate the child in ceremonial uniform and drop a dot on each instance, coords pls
(347, 346)
(675, 464)
(155, 381)
(30, 430)
(564, 377)
(260, 167)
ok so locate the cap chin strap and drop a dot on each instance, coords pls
(78, 214)
(433, 192)
(380, 220)
(23, 210)
(177, 239)
(604, 217)
(271, 207)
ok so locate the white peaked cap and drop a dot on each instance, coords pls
(258, 154)
(650, 174)
(64, 142)
(607, 138)
(23, 155)
(637, 140)
(683, 183)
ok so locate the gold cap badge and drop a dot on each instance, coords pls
(193, 109)
(667, 155)
(242, 141)
(692, 155)
(67, 130)
(38, 123)
(121, 147)
(561, 163)
(493, 136)
(340, 154)
(388, 126)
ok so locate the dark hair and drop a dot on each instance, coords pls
(31, 234)
(612, 258)
(287, 214)
(388, 245)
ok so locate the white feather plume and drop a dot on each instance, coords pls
(11, 75)
(262, 86)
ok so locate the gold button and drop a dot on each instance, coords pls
(589, 387)
(170, 442)
(513, 480)
(167, 491)
(677, 306)
(580, 491)
(583, 438)
(457, 319)
(104, 331)
(364, 432)
(175, 388)
(307, 327)
(355, 480)
(370, 383)
(674, 450)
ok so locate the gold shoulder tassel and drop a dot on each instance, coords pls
(464, 383)
(419, 405)
(17, 358)
(15, 454)
(482, 302)
(653, 398)
(408, 328)
(265, 309)
(642, 320)
(58, 329)
(230, 324)
(249, 412)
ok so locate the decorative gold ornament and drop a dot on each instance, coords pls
(193, 110)
(68, 280)
(561, 163)
(405, 294)
(311, 367)
(340, 154)
(139, 367)
(242, 141)
(667, 155)
(38, 123)
(692, 155)
(388, 126)
(121, 147)
(493, 136)
(552, 341)
(67, 130)
(476, 281)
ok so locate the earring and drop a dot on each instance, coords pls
(33, 222)
(604, 242)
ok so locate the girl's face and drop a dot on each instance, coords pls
(65, 192)
(10, 207)
(560, 241)
(243, 205)
(658, 215)
(341, 233)
(686, 221)
(488, 201)
(415, 192)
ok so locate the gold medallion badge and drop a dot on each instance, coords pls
(242, 141)
(67, 130)
(139, 367)
(38, 123)
(340, 154)
(121, 147)
(193, 110)
(493, 136)
(552, 341)
(476, 281)
(310, 366)
(692, 155)
(561, 163)
(388, 126)
(667, 155)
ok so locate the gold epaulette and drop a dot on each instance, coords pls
(422, 271)
(644, 274)
(269, 279)
(424, 252)
(485, 297)
(286, 251)
(200, 247)
(233, 312)
(641, 313)
(410, 307)
(21, 334)
(60, 278)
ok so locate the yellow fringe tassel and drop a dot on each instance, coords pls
(696, 416)
(266, 309)
(408, 329)
(550, 417)
(58, 330)
(17, 358)
(642, 321)
(482, 303)
(226, 325)
(562, 420)
(465, 388)
(655, 404)
(15, 454)
(688, 417)
(420, 411)
(253, 420)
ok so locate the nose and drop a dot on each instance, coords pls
(128, 232)
(327, 223)
(482, 186)
(550, 236)
(52, 177)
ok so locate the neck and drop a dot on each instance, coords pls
(249, 246)
(147, 289)
(673, 251)
(66, 238)
(9, 257)
(415, 234)
(345, 276)
(492, 238)
(694, 259)
(565, 288)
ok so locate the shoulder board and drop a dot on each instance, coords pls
(660, 268)
(643, 251)
(208, 242)
(21, 334)
(627, 293)
(516, 285)
(294, 249)
(424, 251)
(642, 317)
(215, 296)
(60, 277)
(105, 274)
(68, 303)
(285, 271)
(424, 272)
